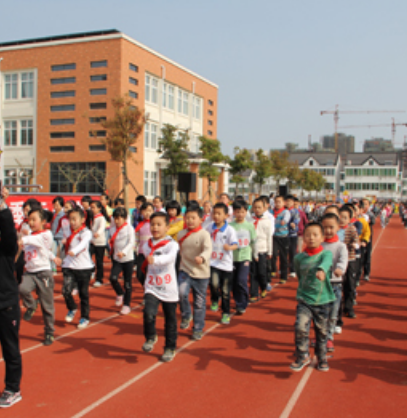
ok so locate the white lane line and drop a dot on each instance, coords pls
(136, 378)
(307, 374)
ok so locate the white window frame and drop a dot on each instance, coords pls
(154, 90)
(27, 85)
(147, 88)
(153, 136)
(185, 103)
(146, 177)
(147, 135)
(27, 126)
(11, 86)
(197, 108)
(179, 101)
(171, 96)
(153, 183)
(165, 89)
(9, 127)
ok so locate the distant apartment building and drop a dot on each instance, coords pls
(378, 145)
(56, 90)
(346, 143)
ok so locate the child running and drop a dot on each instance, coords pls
(121, 249)
(98, 243)
(314, 296)
(161, 285)
(143, 234)
(38, 276)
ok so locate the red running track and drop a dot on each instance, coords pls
(240, 370)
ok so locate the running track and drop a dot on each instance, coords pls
(240, 370)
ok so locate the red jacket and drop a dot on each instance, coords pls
(303, 222)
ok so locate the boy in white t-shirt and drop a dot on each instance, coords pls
(160, 285)
(224, 242)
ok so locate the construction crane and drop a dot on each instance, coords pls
(335, 113)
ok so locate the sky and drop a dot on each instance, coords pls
(277, 63)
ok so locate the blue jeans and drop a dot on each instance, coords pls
(333, 314)
(318, 314)
(199, 289)
(240, 289)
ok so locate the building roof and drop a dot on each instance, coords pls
(382, 158)
(323, 158)
(91, 37)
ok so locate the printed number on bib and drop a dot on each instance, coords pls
(243, 242)
(159, 280)
(30, 255)
(217, 256)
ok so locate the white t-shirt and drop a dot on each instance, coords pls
(161, 277)
(222, 259)
(98, 227)
(81, 259)
(124, 242)
(37, 251)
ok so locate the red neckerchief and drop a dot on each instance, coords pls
(215, 232)
(113, 239)
(25, 220)
(314, 251)
(60, 223)
(257, 220)
(97, 216)
(153, 248)
(190, 232)
(353, 220)
(173, 219)
(38, 232)
(141, 224)
(278, 211)
(205, 217)
(72, 236)
(344, 226)
(331, 240)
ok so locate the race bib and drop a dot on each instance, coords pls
(243, 238)
(159, 276)
(218, 252)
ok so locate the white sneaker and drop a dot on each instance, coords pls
(125, 310)
(338, 330)
(83, 323)
(119, 300)
(70, 316)
(292, 275)
(97, 284)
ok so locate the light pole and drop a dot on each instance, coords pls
(1, 129)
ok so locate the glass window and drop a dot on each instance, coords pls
(165, 88)
(185, 104)
(98, 64)
(26, 132)
(146, 182)
(63, 80)
(179, 101)
(170, 97)
(210, 113)
(210, 132)
(154, 90)
(210, 123)
(133, 94)
(59, 94)
(61, 135)
(96, 106)
(98, 77)
(97, 133)
(147, 88)
(10, 86)
(153, 183)
(97, 119)
(27, 85)
(210, 102)
(100, 147)
(133, 81)
(10, 177)
(133, 67)
(62, 108)
(67, 148)
(154, 137)
(63, 67)
(10, 132)
(62, 121)
(98, 92)
(197, 108)
(147, 135)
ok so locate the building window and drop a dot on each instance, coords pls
(154, 90)
(210, 123)
(66, 148)
(63, 177)
(185, 104)
(11, 91)
(62, 135)
(25, 176)
(153, 189)
(59, 94)
(133, 81)
(63, 67)
(210, 102)
(101, 147)
(210, 132)
(10, 133)
(179, 101)
(62, 108)
(62, 121)
(10, 177)
(197, 108)
(210, 113)
(147, 88)
(133, 67)
(97, 119)
(96, 106)
(98, 77)
(171, 97)
(98, 64)
(63, 80)
(26, 132)
(101, 134)
(133, 94)
(27, 85)
(147, 135)
(98, 92)
(146, 182)
(154, 128)
(165, 88)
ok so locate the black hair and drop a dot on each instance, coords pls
(193, 203)
(332, 206)
(330, 216)
(259, 199)
(141, 198)
(271, 195)
(161, 215)
(239, 204)
(195, 209)
(351, 207)
(290, 197)
(40, 211)
(109, 201)
(72, 203)
(239, 197)
(173, 204)
(222, 206)
(49, 215)
(60, 200)
(120, 213)
(265, 199)
(86, 199)
(296, 199)
(32, 203)
(145, 205)
(317, 224)
(79, 210)
(119, 201)
(102, 209)
(159, 198)
(347, 209)
(89, 218)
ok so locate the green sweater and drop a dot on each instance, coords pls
(311, 290)
(246, 237)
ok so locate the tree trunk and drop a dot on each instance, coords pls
(125, 185)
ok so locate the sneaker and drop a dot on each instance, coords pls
(83, 323)
(225, 319)
(185, 322)
(263, 294)
(300, 363)
(214, 306)
(49, 339)
(366, 279)
(197, 335)
(168, 355)
(74, 292)
(330, 346)
(253, 299)
(240, 311)
(70, 316)
(282, 281)
(8, 398)
(323, 366)
(338, 330)
(293, 275)
(269, 287)
(119, 300)
(29, 313)
(125, 310)
(97, 284)
(149, 344)
(351, 315)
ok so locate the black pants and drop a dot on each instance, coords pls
(258, 276)
(368, 259)
(127, 269)
(349, 286)
(292, 251)
(20, 263)
(170, 326)
(280, 249)
(9, 340)
(141, 277)
(99, 253)
(82, 279)
(221, 286)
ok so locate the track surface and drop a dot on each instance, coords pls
(240, 370)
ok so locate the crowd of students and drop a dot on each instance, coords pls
(237, 250)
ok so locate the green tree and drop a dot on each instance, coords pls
(294, 175)
(319, 183)
(212, 154)
(263, 169)
(279, 166)
(238, 165)
(316, 147)
(174, 149)
(122, 133)
(290, 147)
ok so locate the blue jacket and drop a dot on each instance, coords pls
(281, 230)
(295, 218)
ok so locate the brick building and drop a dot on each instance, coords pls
(55, 90)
